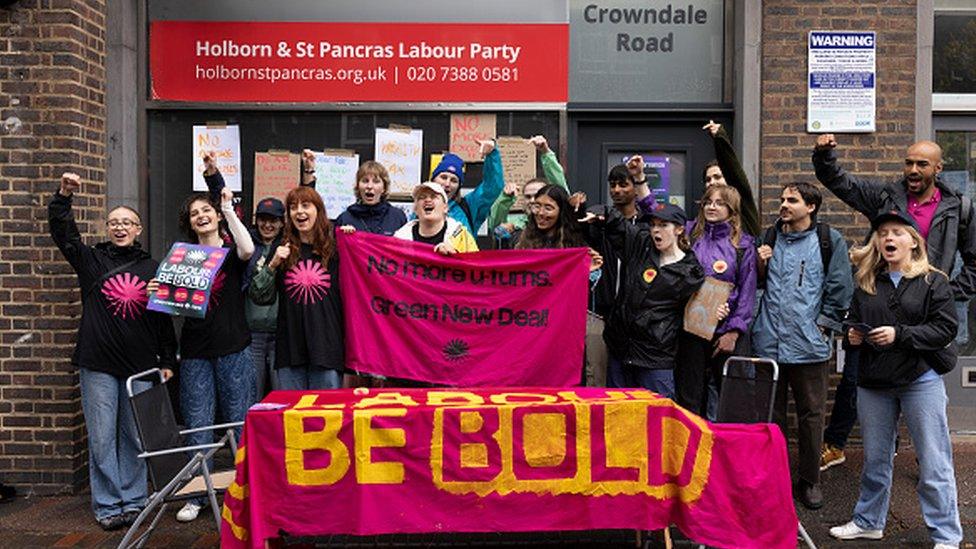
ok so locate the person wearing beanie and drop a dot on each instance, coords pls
(471, 210)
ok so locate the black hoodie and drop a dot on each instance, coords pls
(117, 334)
(642, 329)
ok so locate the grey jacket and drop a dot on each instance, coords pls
(946, 236)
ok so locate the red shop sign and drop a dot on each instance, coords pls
(323, 62)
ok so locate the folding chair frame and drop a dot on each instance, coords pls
(801, 531)
(162, 497)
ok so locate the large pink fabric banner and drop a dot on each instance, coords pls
(495, 318)
(380, 461)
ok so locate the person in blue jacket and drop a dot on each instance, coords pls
(471, 210)
(372, 212)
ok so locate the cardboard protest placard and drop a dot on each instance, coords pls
(400, 150)
(225, 142)
(187, 278)
(700, 313)
(466, 130)
(335, 179)
(518, 163)
(275, 173)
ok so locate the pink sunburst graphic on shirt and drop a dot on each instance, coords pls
(126, 295)
(307, 282)
(215, 289)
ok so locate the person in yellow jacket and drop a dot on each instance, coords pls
(433, 225)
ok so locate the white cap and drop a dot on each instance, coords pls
(436, 187)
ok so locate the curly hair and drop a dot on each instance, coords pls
(565, 233)
(187, 228)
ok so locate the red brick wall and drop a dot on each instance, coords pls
(786, 147)
(52, 119)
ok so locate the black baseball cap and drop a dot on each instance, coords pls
(896, 216)
(270, 206)
(667, 212)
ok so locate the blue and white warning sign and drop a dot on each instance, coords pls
(841, 81)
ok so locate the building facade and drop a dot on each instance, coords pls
(111, 89)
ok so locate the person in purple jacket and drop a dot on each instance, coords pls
(727, 253)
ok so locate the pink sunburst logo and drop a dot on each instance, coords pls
(126, 295)
(307, 282)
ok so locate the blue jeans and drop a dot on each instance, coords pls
(621, 376)
(263, 355)
(228, 380)
(923, 404)
(304, 378)
(117, 475)
(844, 414)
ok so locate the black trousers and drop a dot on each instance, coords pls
(808, 382)
(695, 365)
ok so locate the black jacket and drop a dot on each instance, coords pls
(117, 334)
(642, 329)
(924, 316)
(382, 218)
(946, 236)
(604, 294)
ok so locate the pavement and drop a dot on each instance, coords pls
(66, 521)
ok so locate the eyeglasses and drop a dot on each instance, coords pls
(121, 224)
(714, 203)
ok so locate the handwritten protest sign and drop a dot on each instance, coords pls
(442, 318)
(225, 142)
(466, 130)
(518, 163)
(400, 151)
(186, 280)
(700, 313)
(275, 173)
(335, 178)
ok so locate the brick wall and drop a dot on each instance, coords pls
(52, 119)
(786, 147)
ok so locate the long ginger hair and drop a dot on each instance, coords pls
(323, 238)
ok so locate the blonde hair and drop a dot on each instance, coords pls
(870, 263)
(732, 200)
(372, 167)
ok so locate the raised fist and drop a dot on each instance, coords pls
(308, 160)
(540, 143)
(712, 127)
(226, 196)
(281, 254)
(70, 182)
(635, 167)
(825, 141)
(209, 162)
(485, 146)
(510, 189)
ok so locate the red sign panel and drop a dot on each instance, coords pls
(324, 62)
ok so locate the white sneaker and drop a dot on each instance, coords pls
(853, 531)
(945, 546)
(189, 512)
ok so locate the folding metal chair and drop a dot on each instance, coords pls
(176, 472)
(748, 395)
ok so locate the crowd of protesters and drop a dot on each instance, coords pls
(275, 319)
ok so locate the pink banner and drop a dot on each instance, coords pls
(378, 461)
(497, 318)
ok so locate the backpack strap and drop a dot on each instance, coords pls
(826, 245)
(467, 210)
(769, 237)
(965, 210)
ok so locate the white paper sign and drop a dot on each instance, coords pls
(400, 152)
(225, 142)
(841, 82)
(335, 177)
